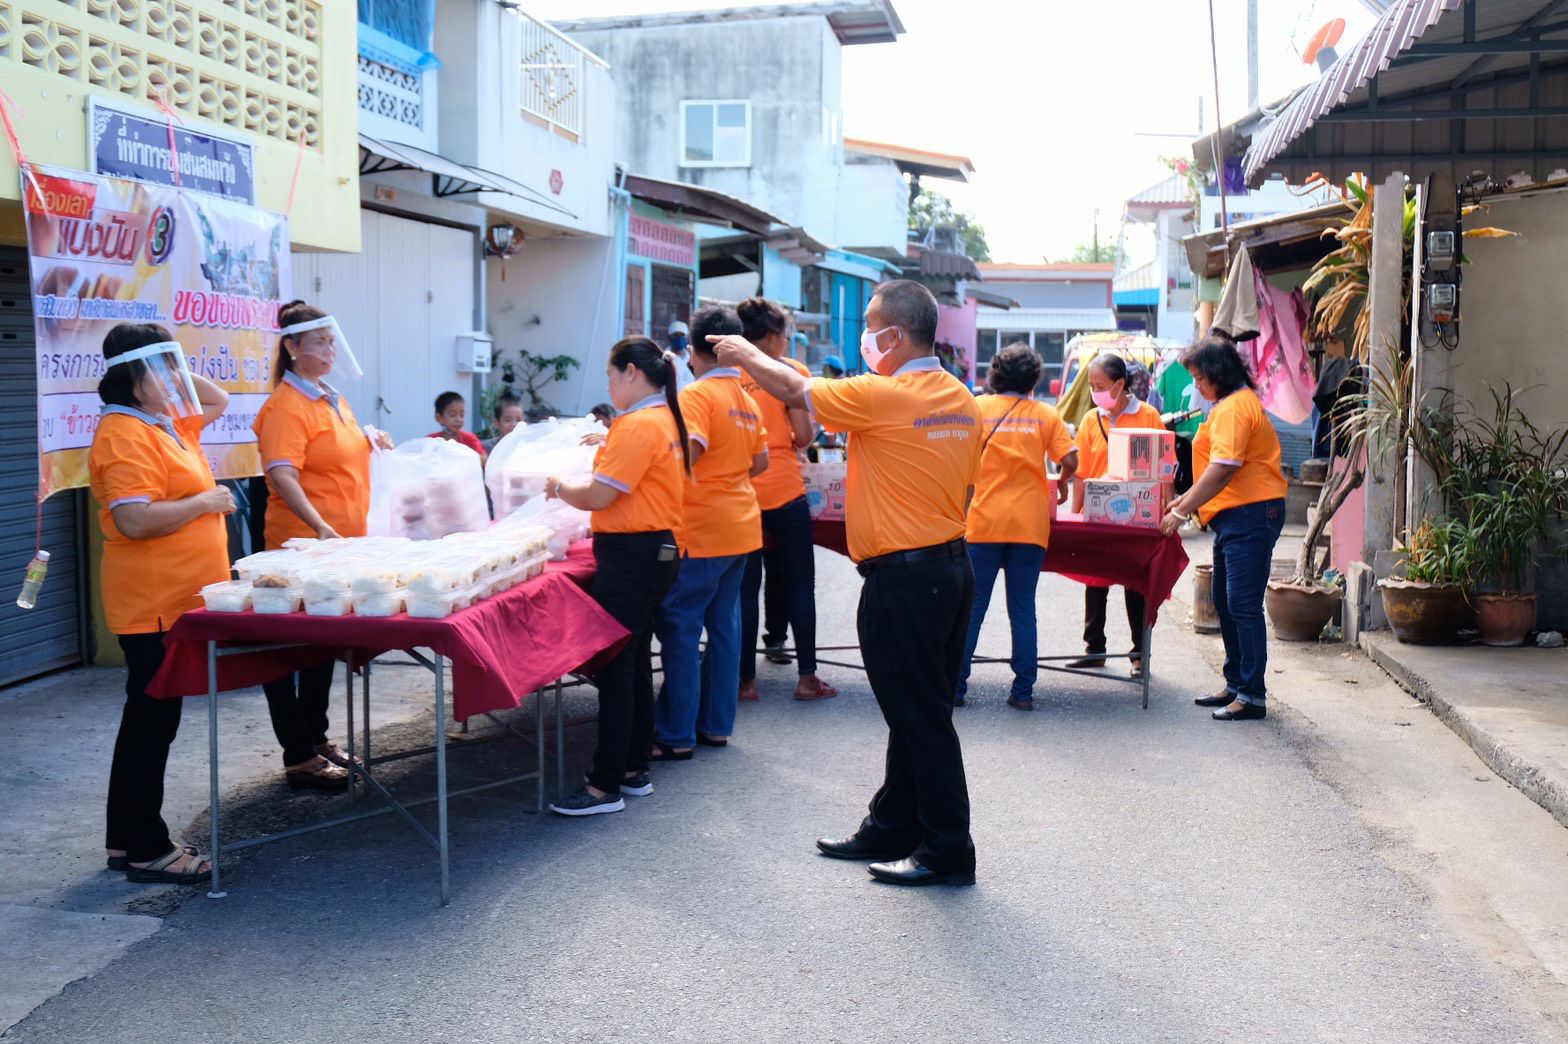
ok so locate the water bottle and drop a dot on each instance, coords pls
(36, 569)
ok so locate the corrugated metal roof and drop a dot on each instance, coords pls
(1046, 319)
(1172, 191)
(1144, 277)
(1401, 25)
(1337, 126)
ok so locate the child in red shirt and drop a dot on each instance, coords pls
(451, 412)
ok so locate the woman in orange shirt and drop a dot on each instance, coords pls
(164, 540)
(720, 525)
(317, 462)
(1240, 495)
(790, 555)
(635, 495)
(1114, 407)
(1010, 516)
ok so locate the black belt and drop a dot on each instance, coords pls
(952, 549)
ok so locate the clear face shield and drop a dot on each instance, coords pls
(164, 386)
(320, 345)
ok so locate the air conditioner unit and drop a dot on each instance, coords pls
(474, 352)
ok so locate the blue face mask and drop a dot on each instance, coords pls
(678, 343)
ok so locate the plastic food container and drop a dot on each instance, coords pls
(279, 562)
(329, 605)
(324, 586)
(230, 596)
(436, 606)
(276, 600)
(379, 603)
(375, 582)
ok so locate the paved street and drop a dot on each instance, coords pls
(1144, 876)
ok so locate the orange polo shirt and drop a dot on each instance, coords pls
(1012, 502)
(914, 451)
(642, 459)
(314, 430)
(720, 514)
(782, 482)
(1239, 432)
(148, 584)
(1094, 451)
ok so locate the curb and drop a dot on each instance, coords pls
(1551, 794)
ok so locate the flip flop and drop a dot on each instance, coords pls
(119, 864)
(158, 872)
(712, 741)
(665, 752)
(824, 692)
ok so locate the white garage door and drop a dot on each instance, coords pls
(402, 301)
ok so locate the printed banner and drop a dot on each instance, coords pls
(105, 251)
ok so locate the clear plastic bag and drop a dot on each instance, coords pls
(521, 462)
(425, 489)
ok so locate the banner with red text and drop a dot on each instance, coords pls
(104, 251)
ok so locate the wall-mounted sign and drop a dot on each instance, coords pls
(661, 242)
(557, 182)
(129, 143)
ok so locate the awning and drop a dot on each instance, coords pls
(989, 298)
(1399, 28)
(798, 246)
(448, 177)
(704, 204)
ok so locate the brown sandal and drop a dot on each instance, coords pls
(317, 774)
(158, 871)
(337, 755)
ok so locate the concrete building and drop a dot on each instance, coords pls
(1160, 292)
(275, 77)
(1055, 302)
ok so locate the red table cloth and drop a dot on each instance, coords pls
(501, 649)
(1089, 552)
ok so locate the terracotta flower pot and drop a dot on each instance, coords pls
(1299, 612)
(1424, 614)
(1505, 619)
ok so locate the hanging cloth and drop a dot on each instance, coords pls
(1237, 315)
(1280, 363)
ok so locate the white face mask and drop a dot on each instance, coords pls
(871, 351)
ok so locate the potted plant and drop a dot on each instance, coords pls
(1429, 604)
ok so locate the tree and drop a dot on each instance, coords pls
(932, 210)
(1091, 254)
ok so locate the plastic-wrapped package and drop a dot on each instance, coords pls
(521, 462)
(379, 603)
(565, 523)
(426, 489)
(230, 596)
(263, 562)
(274, 595)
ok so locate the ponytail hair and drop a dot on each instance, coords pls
(659, 366)
(288, 315)
(760, 317)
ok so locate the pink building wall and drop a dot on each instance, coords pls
(958, 325)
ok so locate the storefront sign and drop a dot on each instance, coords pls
(124, 143)
(661, 242)
(107, 250)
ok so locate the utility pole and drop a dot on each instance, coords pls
(1096, 237)
(1252, 55)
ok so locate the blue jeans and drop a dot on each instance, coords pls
(791, 565)
(700, 691)
(1244, 539)
(1021, 563)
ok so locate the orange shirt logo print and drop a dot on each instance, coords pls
(946, 425)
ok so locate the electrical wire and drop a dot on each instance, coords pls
(1219, 125)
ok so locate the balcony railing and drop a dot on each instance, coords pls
(551, 76)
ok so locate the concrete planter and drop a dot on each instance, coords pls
(1505, 620)
(1299, 612)
(1424, 614)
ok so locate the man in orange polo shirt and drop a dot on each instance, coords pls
(914, 453)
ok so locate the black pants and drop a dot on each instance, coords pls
(141, 752)
(1095, 600)
(790, 563)
(630, 583)
(913, 622)
(1184, 476)
(775, 606)
(299, 712)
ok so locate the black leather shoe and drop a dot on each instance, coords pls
(853, 847)
(1087, 662)
(1219, 699)
(911, 873)
(1245, 712)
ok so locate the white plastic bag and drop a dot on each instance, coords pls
(521, 462)
(567, 524)
(425, 489)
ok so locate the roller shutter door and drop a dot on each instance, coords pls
(49, 636)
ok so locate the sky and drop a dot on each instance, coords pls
(1060, 105)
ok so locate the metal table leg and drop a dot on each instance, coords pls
(348, 689)
(1148, 660)
(365, 689)
(216, 891)
(440, 672)
(560, 745)
(539, 750)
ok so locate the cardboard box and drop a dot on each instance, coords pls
(1141, 455)
(1116, 503)
(825, 490)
